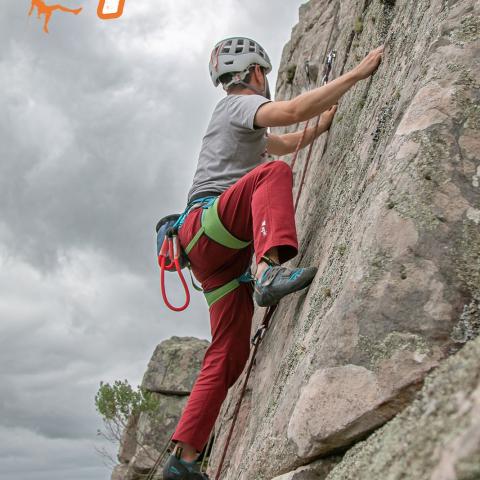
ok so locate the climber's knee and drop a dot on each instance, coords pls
(277, 168)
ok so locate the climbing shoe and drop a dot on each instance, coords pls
(176, 469)
(277, 281)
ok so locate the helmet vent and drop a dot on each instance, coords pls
(225, 49)
(239, 49)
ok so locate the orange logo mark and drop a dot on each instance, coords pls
(47, 11)
(108, 9)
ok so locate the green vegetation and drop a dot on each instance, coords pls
(358, 25)
(291, 71)
(119, 404)
(119, 401)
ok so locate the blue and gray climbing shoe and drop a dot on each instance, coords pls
(277, 281)
(176, 469)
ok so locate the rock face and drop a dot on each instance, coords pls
(436, 438)
(390, 214)
(317, 470)
(174, 366)
(170, 375)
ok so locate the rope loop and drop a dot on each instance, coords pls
(171, 244)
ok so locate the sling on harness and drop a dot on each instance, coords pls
(170, 250)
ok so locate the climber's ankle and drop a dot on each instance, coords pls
(272, 255)
(260, 269)
(187, 452)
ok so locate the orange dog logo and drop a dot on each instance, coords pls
(47, 11)
(108, 9)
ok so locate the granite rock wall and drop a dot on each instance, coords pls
(359, 376)
(390, 214)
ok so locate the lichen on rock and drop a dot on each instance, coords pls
(436, 438)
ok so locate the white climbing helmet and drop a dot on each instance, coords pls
(234, 55)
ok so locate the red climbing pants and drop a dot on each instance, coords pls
(258, 207)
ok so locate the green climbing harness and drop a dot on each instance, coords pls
(169, 248)
(213, 228)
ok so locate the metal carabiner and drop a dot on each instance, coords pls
(332, 55)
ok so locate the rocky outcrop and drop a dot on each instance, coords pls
(391, 216)
(170, 375)
(174, 366)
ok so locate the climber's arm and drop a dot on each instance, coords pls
(310, 104)
(287, 143)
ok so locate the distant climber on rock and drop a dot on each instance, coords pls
(253, 214)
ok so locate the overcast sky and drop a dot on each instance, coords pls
(100, 126)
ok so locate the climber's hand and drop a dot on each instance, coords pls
(327, 118)
(369, 64)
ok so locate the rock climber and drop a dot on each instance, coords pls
(255, 205)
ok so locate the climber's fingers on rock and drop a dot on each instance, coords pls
(376, 55)
(370, 63)
(327, 118)
(373, 59)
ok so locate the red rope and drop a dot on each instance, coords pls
(265, 324)
(270, 311)
(299, 144)
(307, 161)
(173, 247)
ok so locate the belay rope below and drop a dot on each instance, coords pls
(258, 337)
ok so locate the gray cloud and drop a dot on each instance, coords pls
(100, 129)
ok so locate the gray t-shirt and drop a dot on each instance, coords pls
(232, 145)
